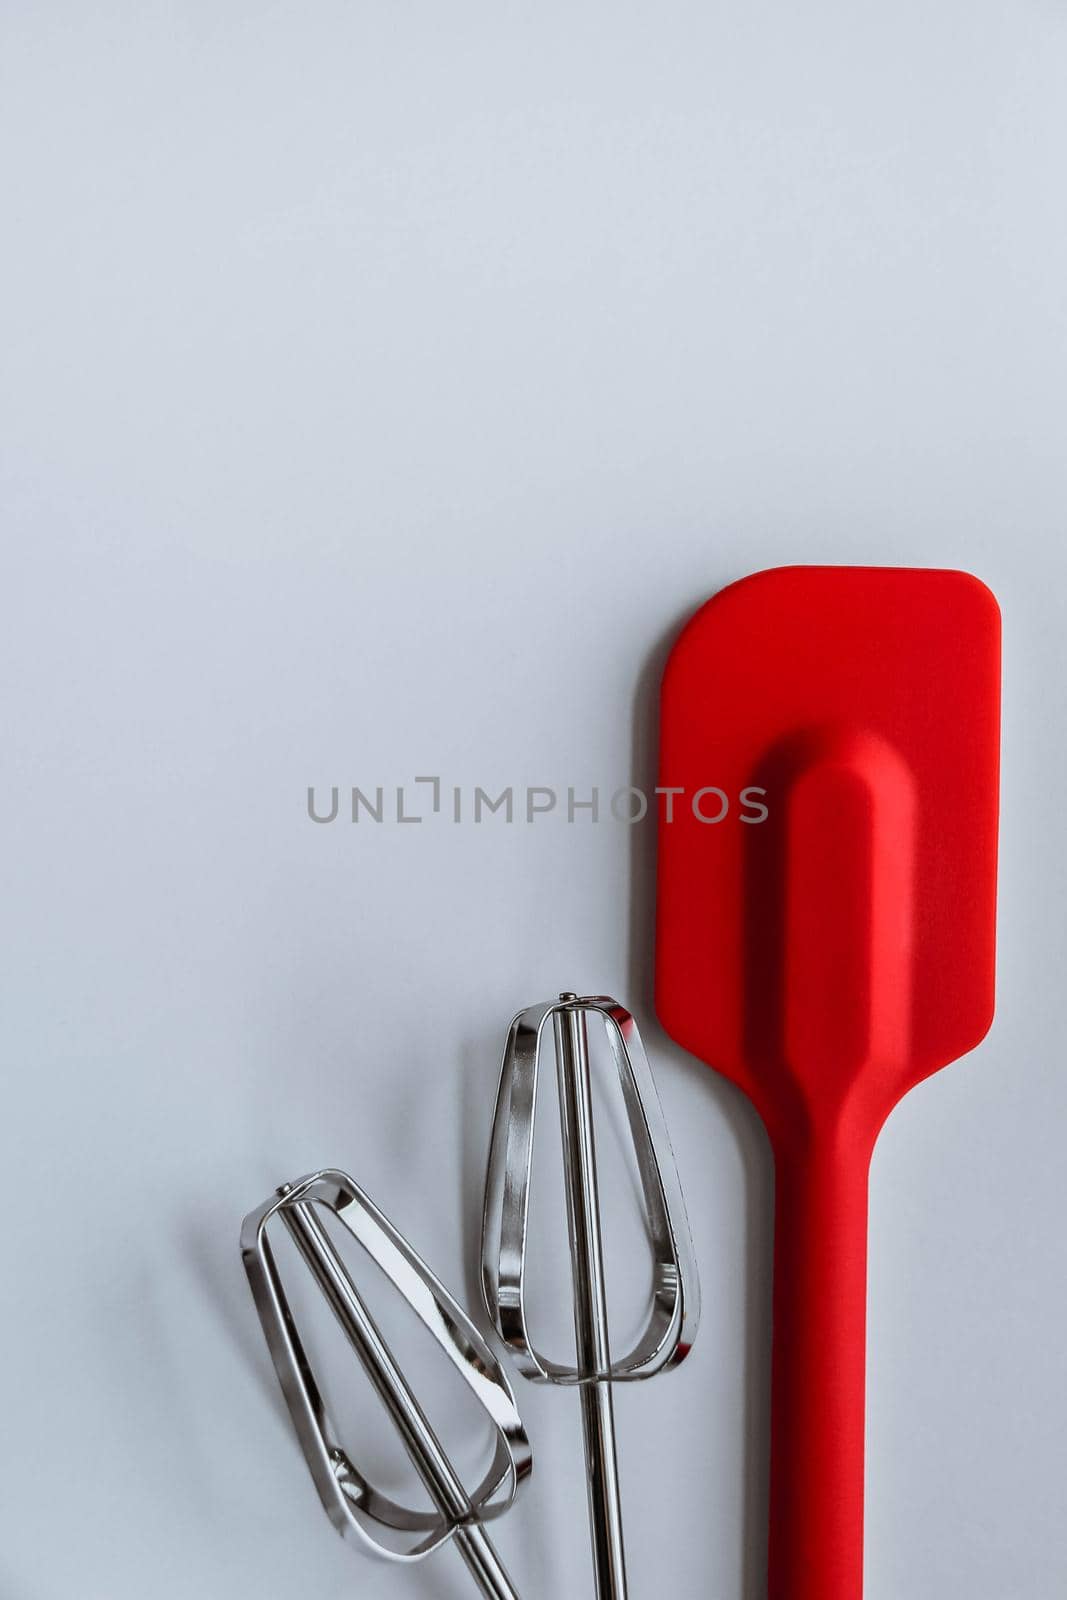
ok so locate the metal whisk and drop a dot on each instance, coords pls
(675, 1306)
(354, 1505)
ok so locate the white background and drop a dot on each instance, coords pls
(384, 384)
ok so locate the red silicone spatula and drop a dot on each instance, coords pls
(828, 957)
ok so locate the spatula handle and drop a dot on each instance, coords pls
(819, 1372)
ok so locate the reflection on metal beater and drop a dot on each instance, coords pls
(672, 1322)
(354, 1505)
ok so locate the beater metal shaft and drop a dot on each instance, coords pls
(592, 1345)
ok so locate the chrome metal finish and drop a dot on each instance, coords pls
(355, 1507)
(590, 1299)
(675, 1307)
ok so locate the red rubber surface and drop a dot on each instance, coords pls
(830, 957)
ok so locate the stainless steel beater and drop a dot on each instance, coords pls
(355, 1507)
(675, 1297)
